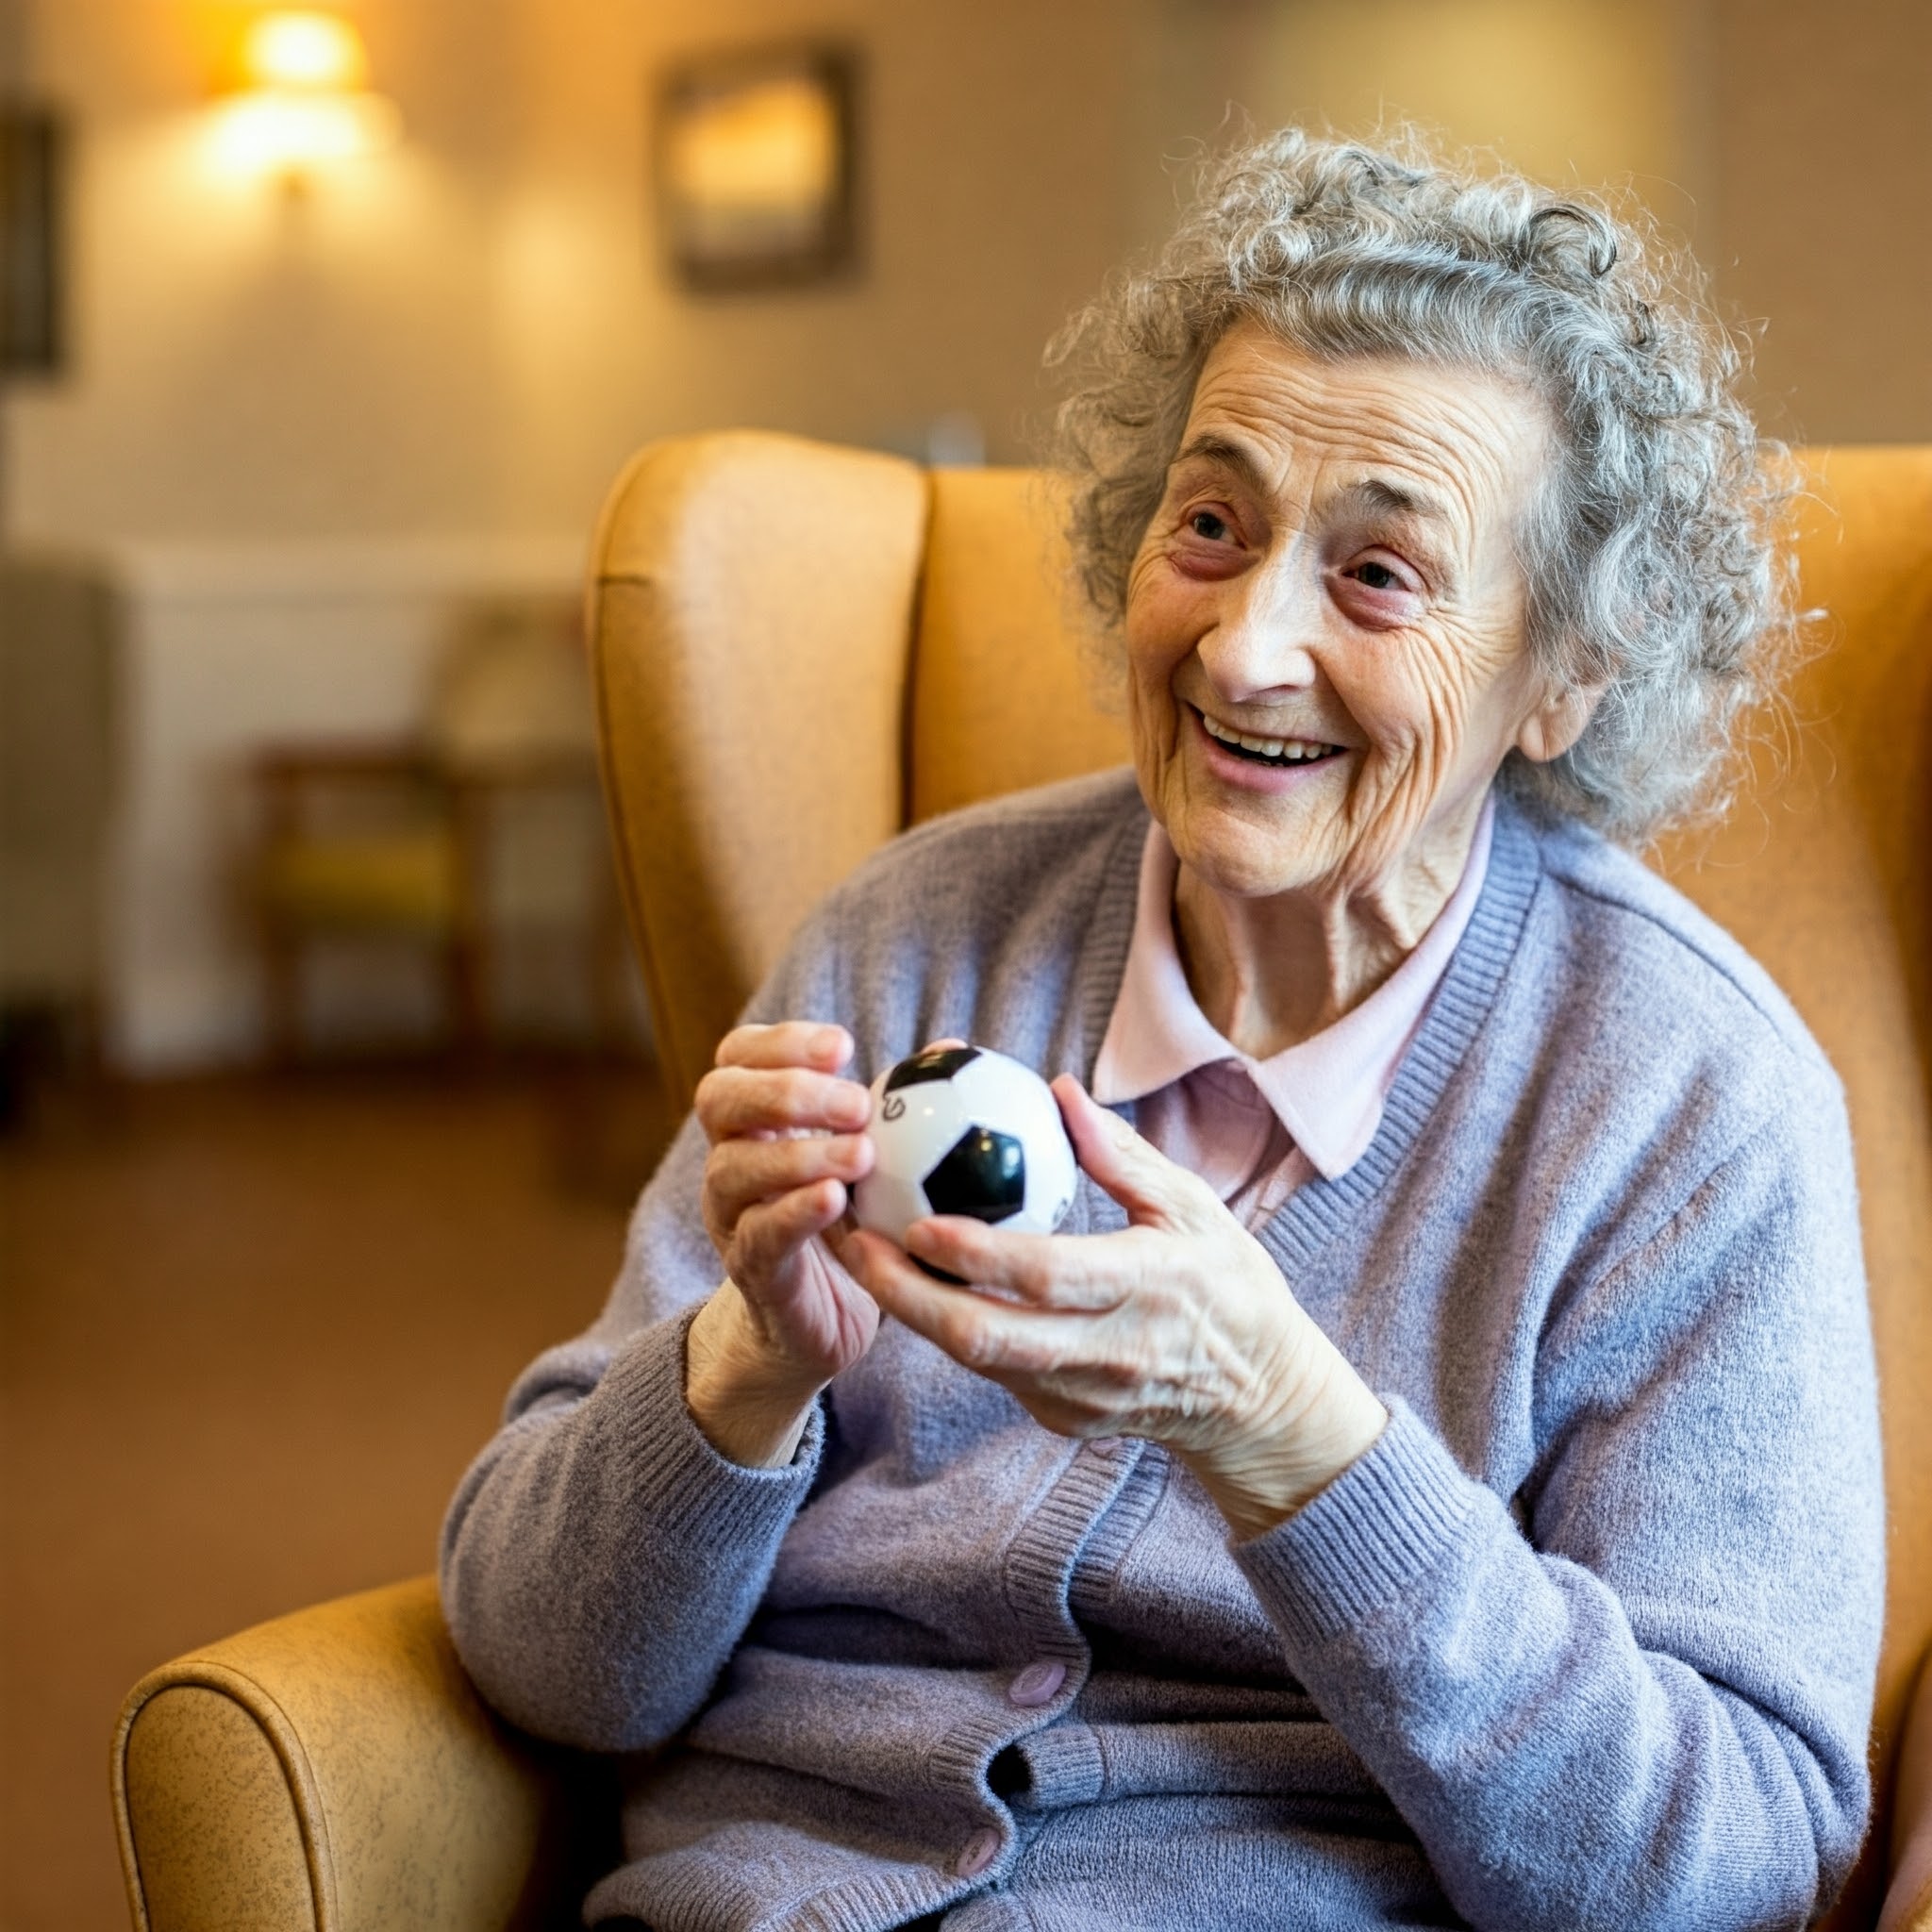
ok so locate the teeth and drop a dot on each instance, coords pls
(1289, 750)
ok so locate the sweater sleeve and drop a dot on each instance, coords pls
(1641, 1697)
(599, 1560)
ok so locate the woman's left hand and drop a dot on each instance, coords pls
(1178, 1328)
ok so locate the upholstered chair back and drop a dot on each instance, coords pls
(801, 649)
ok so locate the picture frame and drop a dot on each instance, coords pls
(32, 307)
(756, 165)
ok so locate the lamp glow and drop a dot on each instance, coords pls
(287, 131)
(305, 104)
(305, 50)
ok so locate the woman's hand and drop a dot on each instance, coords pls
(786, 1142)
(1179, 1328)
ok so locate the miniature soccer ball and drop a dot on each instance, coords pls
(965, 1130)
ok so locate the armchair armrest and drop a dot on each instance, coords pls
(336, 1770)
(1908, 1898)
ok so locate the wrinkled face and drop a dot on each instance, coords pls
(1324, 621)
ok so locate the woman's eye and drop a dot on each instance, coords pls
(1203, 522)
(1378, 577)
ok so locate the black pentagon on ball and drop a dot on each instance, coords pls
(983, 1174)
(935, 1063)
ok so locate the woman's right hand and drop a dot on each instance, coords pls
(788, 1140)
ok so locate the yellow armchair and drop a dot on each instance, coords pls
(797, 651)
(335, 1769)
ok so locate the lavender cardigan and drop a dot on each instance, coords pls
(1587, 1639)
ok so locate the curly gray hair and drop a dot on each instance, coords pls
(1649, 555)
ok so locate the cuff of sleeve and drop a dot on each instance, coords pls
(1359, 1546)
(696, 1490)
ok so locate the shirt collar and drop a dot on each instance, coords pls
(1328, 1091)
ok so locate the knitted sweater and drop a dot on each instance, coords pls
(1587, 1639)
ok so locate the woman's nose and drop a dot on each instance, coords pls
(1266, 630)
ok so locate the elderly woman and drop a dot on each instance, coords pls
(1433, 1477)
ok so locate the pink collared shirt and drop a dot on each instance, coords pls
(1255, 1130)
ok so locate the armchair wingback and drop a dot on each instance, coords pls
(797, 651)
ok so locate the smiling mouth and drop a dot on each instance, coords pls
(1268, 751)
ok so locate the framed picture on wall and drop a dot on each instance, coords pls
(30, 295)
(756, 161)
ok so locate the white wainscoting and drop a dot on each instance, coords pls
(230, 647)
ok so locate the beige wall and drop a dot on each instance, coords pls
(468, 335)
(993, 202)
(471, 333)
(1786, 139)
(245, 369)
(1584, 92)
(1821, 165)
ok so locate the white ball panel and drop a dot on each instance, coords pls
(888, 1205)
(1051, 1174)
(925, 1120)
(1000, 1092)
(912, 1127)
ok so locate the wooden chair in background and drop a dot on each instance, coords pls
(400, 841)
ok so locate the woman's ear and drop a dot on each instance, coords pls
(1556, 723)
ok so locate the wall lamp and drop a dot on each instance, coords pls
(302, 101)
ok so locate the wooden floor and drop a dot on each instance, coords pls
(250, 1334)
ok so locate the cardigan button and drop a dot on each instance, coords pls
(976, 1854)
(1037, 1684)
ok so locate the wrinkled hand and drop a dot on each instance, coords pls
(788, 1141)
(1178, 1328)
